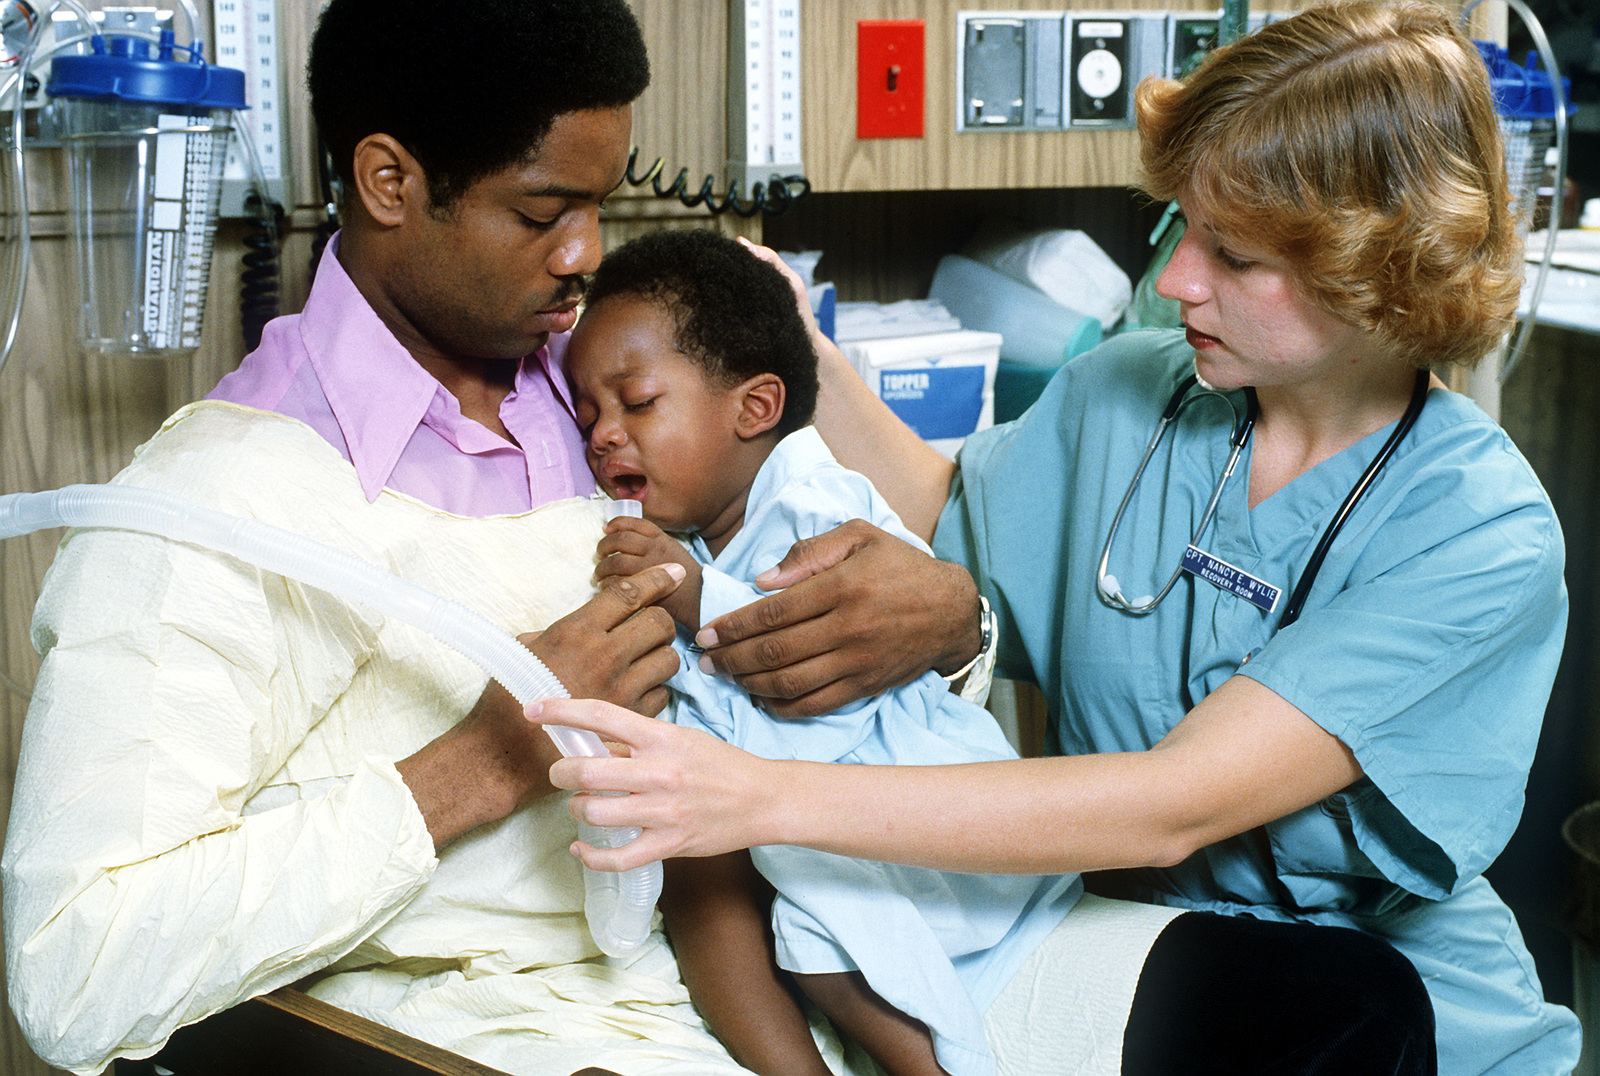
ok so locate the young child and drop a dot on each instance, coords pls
(694, 381)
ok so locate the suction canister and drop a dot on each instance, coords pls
(1525, 102)
(145, 134)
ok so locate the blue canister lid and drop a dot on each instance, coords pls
(128, 72)
(1522, 93)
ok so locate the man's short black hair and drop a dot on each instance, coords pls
(467, 88)
(736, 315)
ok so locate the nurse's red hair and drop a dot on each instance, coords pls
(1358, 141)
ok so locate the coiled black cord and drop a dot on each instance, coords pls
(773, 197)
(332, 196)
(258, 284)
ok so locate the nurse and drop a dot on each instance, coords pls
(1347, 227)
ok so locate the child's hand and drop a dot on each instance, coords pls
(631, 545)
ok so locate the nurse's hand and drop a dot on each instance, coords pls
(863, 612)
(796, 285)
(690, 793)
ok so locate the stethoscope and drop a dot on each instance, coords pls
(1106, 585)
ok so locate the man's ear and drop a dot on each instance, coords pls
(760, 405)
(387, 179)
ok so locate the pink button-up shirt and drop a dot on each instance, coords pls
(337, 368)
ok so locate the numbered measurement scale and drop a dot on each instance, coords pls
(246, 33)
(178, 235)
(763, 91)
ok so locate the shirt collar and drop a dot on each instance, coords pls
(378, 393)
(798, 452)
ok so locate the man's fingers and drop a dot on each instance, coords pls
(622, 596)
(810, 688)
(641, 688)
(783, 664)
(770, 632)
(652, 702)
(812, 556)
(777, 631)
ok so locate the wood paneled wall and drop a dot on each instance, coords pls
(943, 158)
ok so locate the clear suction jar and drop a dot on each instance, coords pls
(145, 137)
(1525, 104)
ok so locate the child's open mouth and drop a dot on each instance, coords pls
(628, 486)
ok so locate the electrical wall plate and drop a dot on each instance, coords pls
(1098, 71)
(889, 78)
(991, 58)
(1108, 54)
(1053, 70)
(1190, 39)
(1009, 70)
(1192, 35)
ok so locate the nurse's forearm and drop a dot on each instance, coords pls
(868, 437)
(695, 795)
(1242, 758)
(1034, 816)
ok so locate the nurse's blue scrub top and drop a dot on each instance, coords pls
(1428, 645)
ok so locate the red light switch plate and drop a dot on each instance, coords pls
(889, 78)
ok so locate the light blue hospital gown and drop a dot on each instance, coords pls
(938, 946)
(1428, 646)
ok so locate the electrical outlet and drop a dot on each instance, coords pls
(1050, 70)
(1192, 38)
(993, 57)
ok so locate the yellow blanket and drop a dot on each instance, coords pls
(207, 805)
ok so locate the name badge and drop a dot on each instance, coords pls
(1224, 576)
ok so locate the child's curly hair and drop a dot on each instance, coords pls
(735, 315)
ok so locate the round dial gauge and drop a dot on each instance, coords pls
(1099, 73)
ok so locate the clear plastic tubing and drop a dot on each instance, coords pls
(609, 896)
(619, 906)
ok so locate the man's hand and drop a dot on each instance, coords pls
(616, 647)
(863, 612)
(631, 545)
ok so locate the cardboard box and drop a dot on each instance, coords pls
(940, 384)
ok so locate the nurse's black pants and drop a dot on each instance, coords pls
(1237, 996)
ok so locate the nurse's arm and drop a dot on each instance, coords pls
(864, 434)
(1242, 758)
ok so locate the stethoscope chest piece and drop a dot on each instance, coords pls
(1106, 584)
